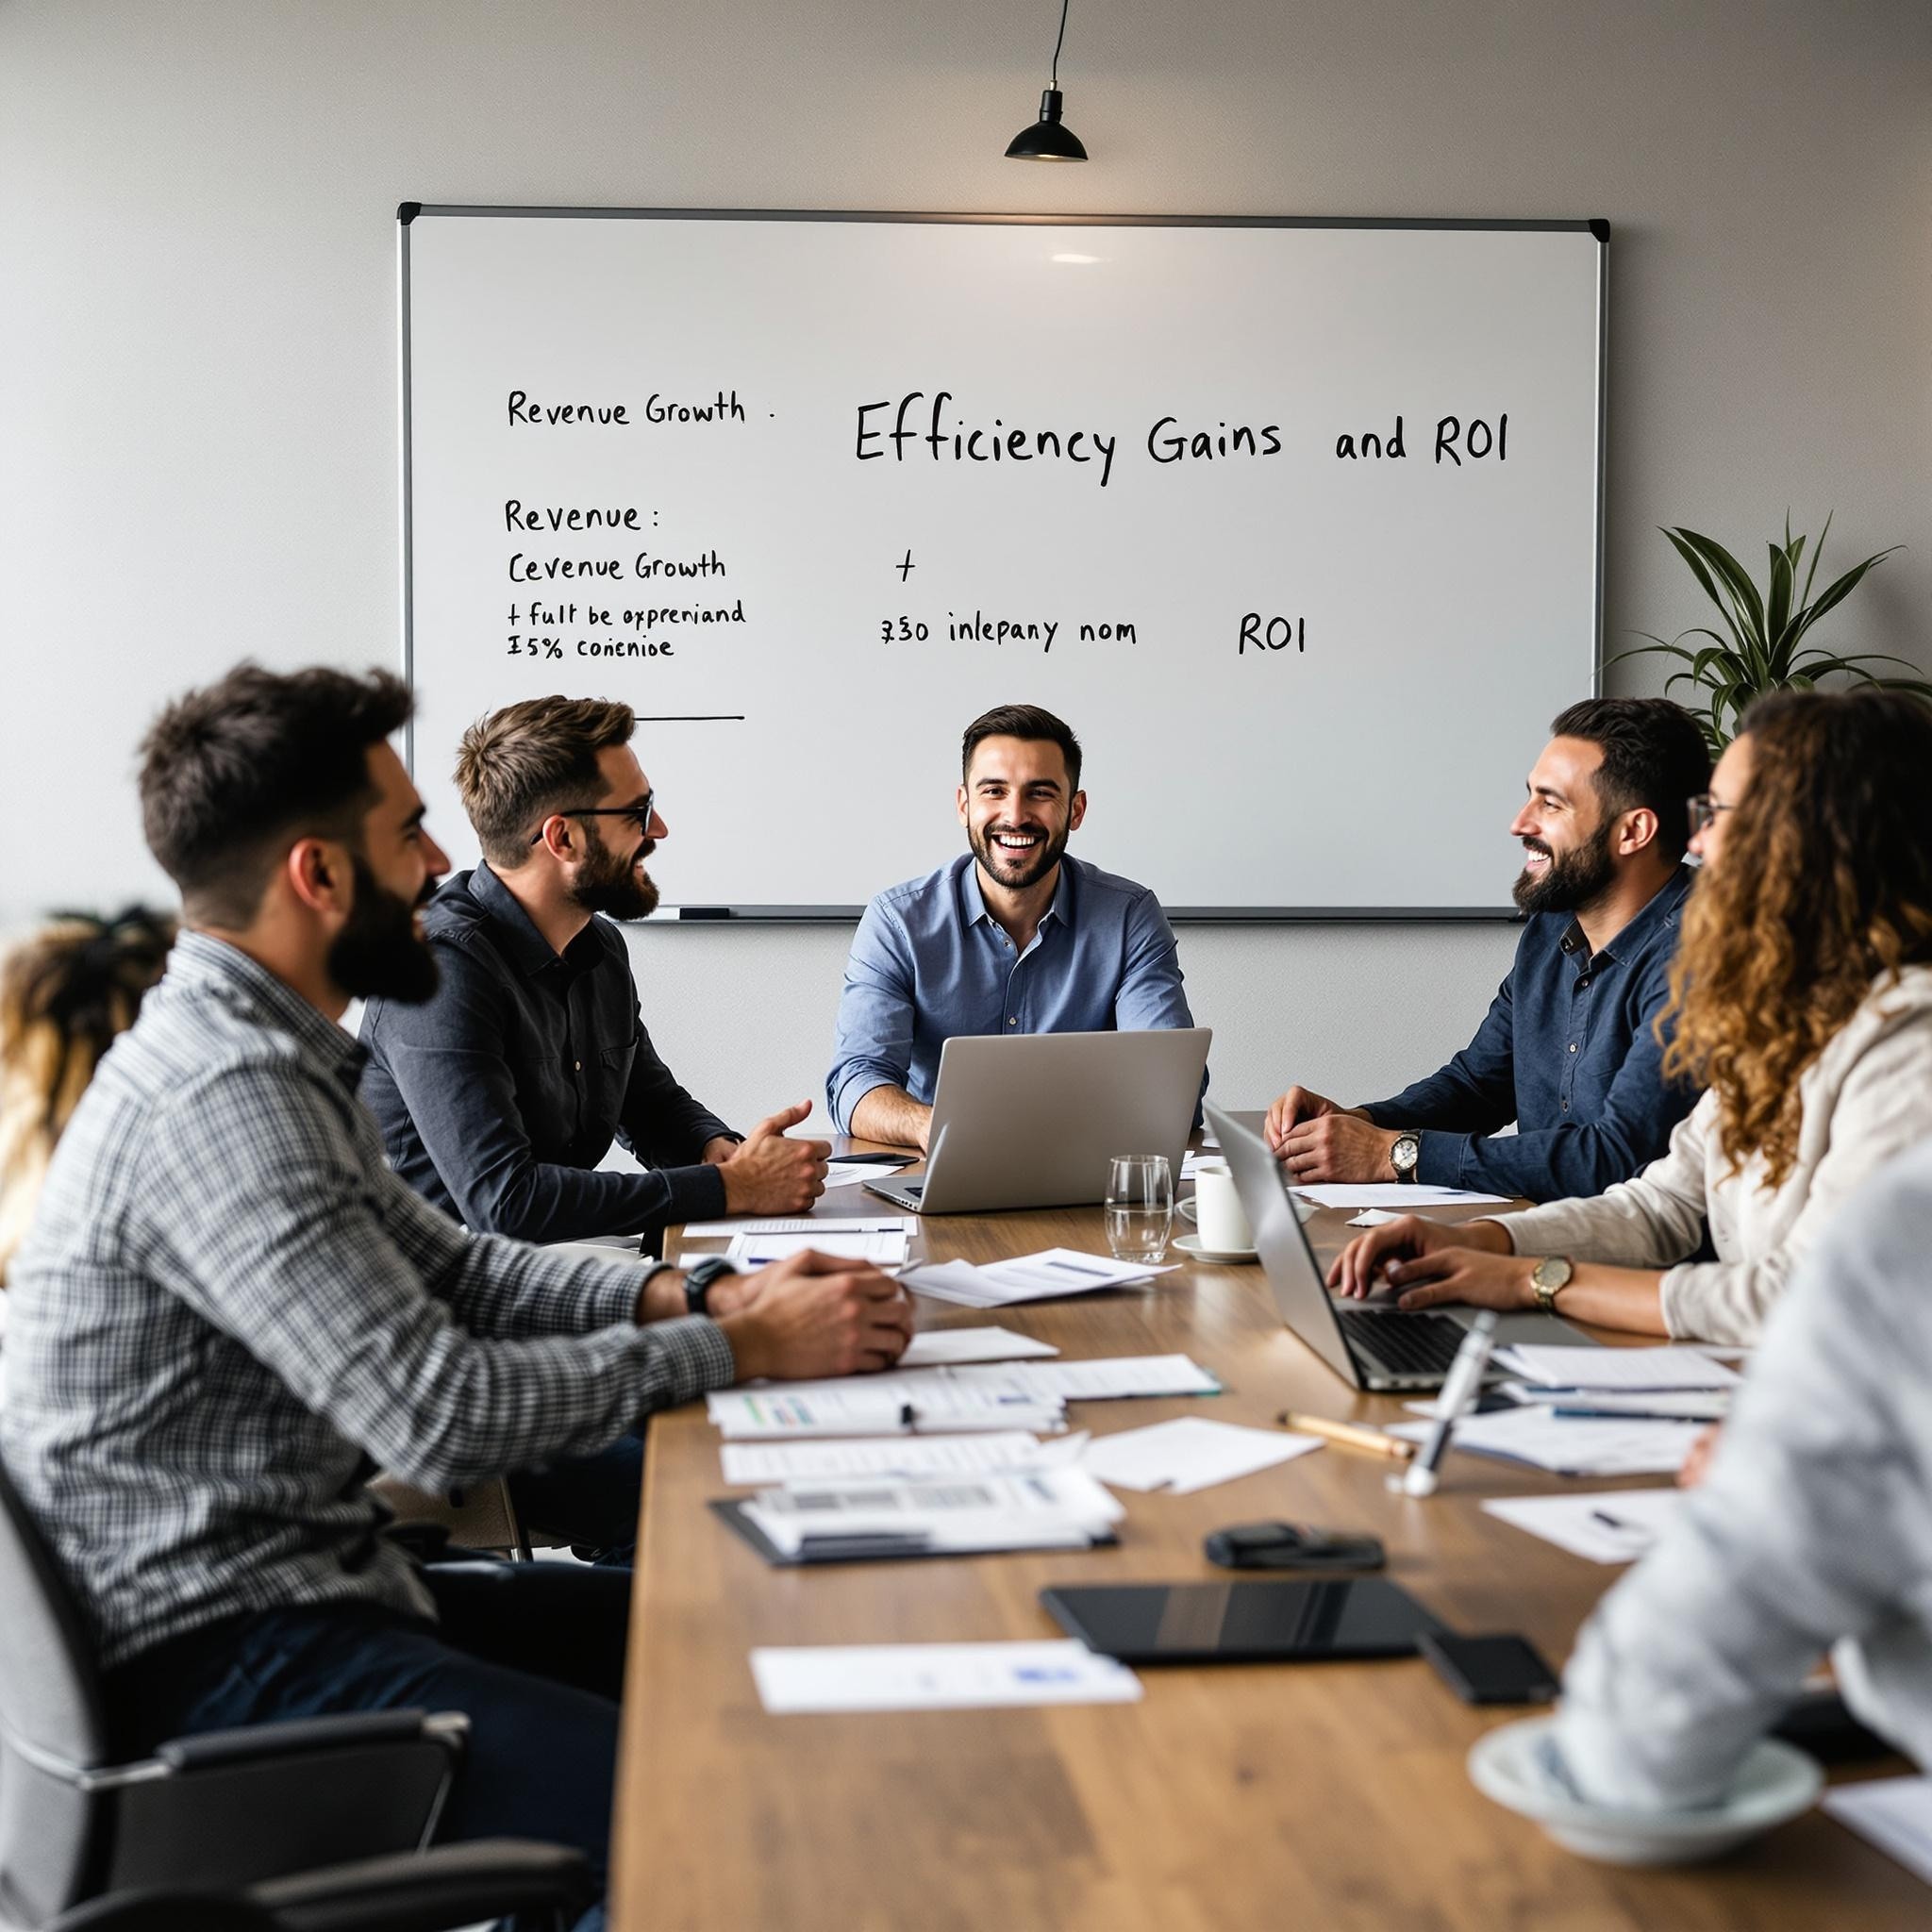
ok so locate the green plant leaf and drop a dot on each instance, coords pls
(1703, 576)
(1750, 605)
(1836, 594)
(1777, 603)
(1816, 557)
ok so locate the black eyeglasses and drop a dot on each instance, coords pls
(640, 815)
(1704, 810)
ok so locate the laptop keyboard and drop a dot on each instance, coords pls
(1406, 1345)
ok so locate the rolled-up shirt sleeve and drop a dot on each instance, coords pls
(877, 1011)
(283, 1246)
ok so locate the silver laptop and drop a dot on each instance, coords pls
(1371, 1346)
(1032, 1120)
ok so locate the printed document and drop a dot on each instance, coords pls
(804, 1224)
(809, 1462)
(1031, 1279)
(1628, 1368)
(1189, 1453)
(937, 1676)
(1617, 1527)
(1893, 1813)
(1105, 1379)
(1404, 1198)
(932, 1346)
(1570, 1445)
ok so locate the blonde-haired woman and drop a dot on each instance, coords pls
(1801, 1000)
(65, 994)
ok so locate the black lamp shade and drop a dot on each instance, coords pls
(1049, 139)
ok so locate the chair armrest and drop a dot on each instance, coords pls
(434, 1891)
(354, 1730)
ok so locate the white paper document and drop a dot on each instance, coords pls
(1570, 1445)
(1101, 1380)
(851, 1173)
(937, 1676)
(804, 1224)
(936, 1345)
(882, 1249)
(814, 1461)
(1628, 1368)
(1614, 1529)
(1370, 1217)
(901, 1401)
(1189, 1453)
(1031, 1279)
(939, 1515)
(1893, 1813)
(1404, 1198)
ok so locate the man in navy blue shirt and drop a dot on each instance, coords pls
(1568, 1051)
(1012, 937)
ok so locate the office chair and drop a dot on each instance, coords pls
(215, 1812)
(432, 1892)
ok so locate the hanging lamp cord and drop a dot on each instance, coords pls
(1058, 43)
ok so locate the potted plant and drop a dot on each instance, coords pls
(1764, 649)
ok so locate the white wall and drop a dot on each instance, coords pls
(197, 382)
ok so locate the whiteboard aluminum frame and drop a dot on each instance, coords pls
(409, 211)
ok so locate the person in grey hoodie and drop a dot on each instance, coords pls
(1812, 1531)
(1801, 999)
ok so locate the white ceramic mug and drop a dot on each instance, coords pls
(1218, 1219)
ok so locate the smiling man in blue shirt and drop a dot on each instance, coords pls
(1011, 937)
(1568, 1052)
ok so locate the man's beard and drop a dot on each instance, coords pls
(1016, 871)
(607, 883)
(378, 955)
(1571, 883)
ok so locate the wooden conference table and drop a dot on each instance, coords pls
(1325, 1797)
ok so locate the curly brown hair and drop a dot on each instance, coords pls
(1825, 886)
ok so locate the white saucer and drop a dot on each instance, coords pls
(1187, 1209)
(1774, 1783)
(1191, 1245)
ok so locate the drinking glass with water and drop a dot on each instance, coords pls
(1139, 1206)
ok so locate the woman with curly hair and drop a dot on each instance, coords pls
(65, 995)
(1801, 1000)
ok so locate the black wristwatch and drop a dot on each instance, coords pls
(697, 1283)
(1405, 1156)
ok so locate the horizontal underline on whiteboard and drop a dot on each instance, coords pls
(692, 718)
(697, 913)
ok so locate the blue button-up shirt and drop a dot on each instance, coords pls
(928, 961)
(1570, 1054)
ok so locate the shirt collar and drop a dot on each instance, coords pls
(1660, 909)
(200, 959)
(527, 950)
(972, 902)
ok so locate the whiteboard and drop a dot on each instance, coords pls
(842, 482)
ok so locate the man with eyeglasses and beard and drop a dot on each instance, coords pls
(499, 1095)
(228, 1309)
(1013, 936)
(1568, 1052)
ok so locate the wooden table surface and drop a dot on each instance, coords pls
(1316, 1798)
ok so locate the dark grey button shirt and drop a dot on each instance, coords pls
(227, 1305)
(498, 1097)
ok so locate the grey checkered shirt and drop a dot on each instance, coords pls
(228, 1304)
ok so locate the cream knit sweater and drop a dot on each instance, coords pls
(1867, 1097)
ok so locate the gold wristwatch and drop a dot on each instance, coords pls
(1549, 1279)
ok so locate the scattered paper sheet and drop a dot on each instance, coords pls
(1614, 1529)
(852, 1174)
(937, 1676)
(901, 1401)
(1189, 1453)
(1370, 1217)
(1628, 1369)
(933, 1515)
(1029, 1278)
(804, 1224)
(757, 1250)
(1405, 1197)
(931, 1346)
(1893, 1813)
(1105, 1379)
(1570, 1445)
(806, 1462)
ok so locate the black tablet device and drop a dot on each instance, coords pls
(1242, 1622)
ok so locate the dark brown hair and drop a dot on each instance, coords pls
(1021, 721)
(518, 765)
(1654, 756)
(232, 775)
(1825, 886)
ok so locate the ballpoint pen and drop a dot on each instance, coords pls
(1465, 1377)
(1349, 1434)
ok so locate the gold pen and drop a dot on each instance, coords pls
(1350, 1435)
